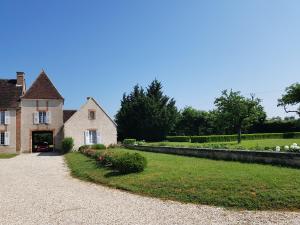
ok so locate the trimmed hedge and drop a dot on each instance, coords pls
(129, 141)
(228, 138)
(129, 163)
(178, 138)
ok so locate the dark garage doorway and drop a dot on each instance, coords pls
(42, 141)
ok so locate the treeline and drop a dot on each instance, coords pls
(193, 122)
(148, 114)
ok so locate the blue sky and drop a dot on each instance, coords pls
(196, 48)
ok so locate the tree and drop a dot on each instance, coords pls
(291, 97)
(146, 115)
(237, 112)
(192, 121)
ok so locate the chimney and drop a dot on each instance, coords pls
(21, 80)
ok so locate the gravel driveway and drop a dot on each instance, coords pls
(37, 189)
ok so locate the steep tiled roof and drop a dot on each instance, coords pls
(9, 93)
(42, 88)
(68, 114)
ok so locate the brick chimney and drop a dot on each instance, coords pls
(21, 80)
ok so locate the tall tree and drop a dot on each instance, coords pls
(146, 114)
(192, 121)
(291, 98)
(238, 112)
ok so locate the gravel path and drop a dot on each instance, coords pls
(37, 189)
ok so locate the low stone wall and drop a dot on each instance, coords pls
(279, 158)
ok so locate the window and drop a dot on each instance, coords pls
(92, 137)
(2, 138)
(42, 117)
(2, 117)
(92, 114)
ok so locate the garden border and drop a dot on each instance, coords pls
(278, 158)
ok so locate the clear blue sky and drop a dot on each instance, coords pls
(196, 48)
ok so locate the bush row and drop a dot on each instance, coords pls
(227, 138)
(178, 138)
(123, 162)
(129, 141)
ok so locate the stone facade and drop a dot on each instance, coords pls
(11, 129)
(40, 109)
(55, 125)
(80, 122)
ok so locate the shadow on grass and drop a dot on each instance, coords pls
(114, 174)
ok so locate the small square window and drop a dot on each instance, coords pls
(92, 114)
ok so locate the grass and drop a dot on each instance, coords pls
(7, 155)
(263, 144)
(201, 181)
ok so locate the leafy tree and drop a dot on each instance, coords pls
(237, 112)
(291, 97)
(192, 121)
(146, 114)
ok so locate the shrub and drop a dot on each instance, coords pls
(178, 138)
(83, 148)
(98, 146)
(123, 162)
(113, 146)
(129, 163)
(129, 141)
(67, 144)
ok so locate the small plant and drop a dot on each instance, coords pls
(277, 149)
(295, 148)
(67, 144)
(98, 146)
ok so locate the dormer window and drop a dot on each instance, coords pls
(92, 114)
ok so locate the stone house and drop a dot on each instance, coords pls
(28, 117)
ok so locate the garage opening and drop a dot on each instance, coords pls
(42, 141)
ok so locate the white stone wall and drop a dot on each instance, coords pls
(79, 123)
(28, 107)
(11, 128)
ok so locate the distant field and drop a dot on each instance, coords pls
(265, 144)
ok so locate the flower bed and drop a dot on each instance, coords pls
(123, 162)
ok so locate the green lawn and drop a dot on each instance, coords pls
(7, 155)
(246, 144)
(201, 181)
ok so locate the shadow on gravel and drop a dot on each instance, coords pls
(49, 154)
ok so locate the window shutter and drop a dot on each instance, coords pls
(36, 118)
(7, 117)
(6, 138)
(48, 117)
(98, 138)
(86, 137)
